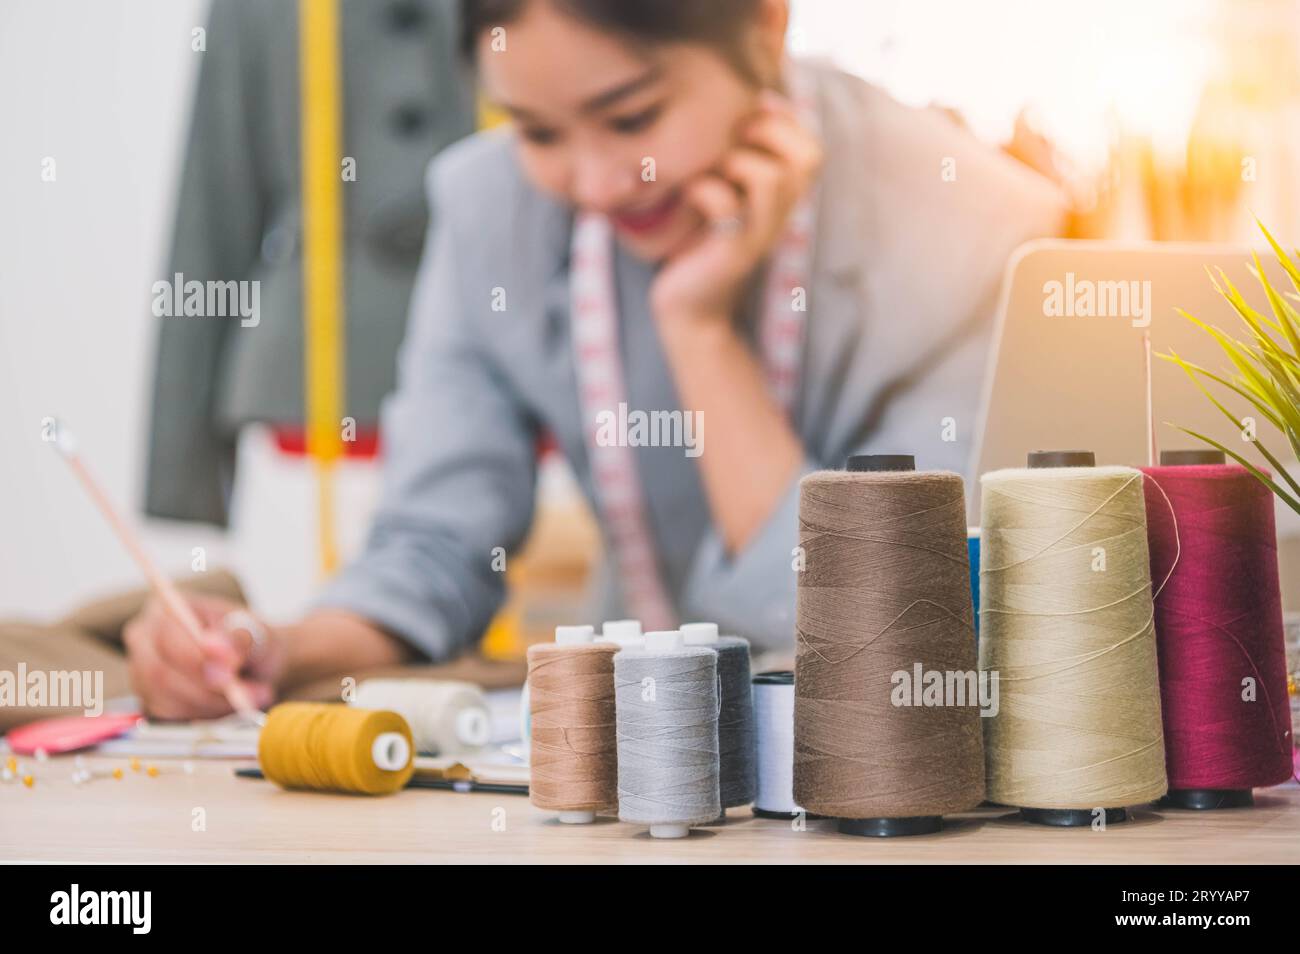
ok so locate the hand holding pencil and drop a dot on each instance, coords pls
(178, 676)
(181, 655)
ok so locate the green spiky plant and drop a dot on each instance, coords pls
(1267, 367)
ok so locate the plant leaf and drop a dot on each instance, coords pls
(1258, 403)
(1259, 444)
(1286, 315)
(1283, 259)
(1268, 374)
(1251, 378)
(1258, 474)
(1238, 301)
(1283, 379)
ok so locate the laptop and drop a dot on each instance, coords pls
(1067, 370)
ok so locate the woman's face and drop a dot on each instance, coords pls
(612, 128)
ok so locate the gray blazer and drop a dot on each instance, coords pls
(239, 217)
(907, 263)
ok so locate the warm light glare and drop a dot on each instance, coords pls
(1086, 71)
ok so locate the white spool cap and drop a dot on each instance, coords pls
(669, 831)
(577, 818)
(623, 633)
(390, 751)
(699, 634)
(620, 629)
(574, 635)
(473, 727)
(664, 641)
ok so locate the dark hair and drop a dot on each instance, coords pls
(717, 23)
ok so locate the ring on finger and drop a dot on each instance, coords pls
(729, 225)
(241, 620)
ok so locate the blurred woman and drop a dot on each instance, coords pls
(706, 271)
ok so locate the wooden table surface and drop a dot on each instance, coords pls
(144, 819)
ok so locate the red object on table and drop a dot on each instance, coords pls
(68, 734)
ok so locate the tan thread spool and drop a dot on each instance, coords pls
(1079, 723)
(886, 584)
(573, 757)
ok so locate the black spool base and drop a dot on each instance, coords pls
(879, 463)
(1070, 817)
(891, 827)
(1208, 799)
(1062, 458)
(1191, 458)
(784, 816)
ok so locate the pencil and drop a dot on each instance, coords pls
(165, 590)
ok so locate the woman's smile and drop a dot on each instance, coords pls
(648, 219)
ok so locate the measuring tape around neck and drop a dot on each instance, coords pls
(602, 385)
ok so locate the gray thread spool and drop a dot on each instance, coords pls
(736, 732)
(666, 700)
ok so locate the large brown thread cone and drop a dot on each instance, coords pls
(885, 585)
(573, 754)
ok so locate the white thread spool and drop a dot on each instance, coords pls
(774, 718)
(446, 717)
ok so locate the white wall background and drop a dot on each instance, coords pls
(101, 86)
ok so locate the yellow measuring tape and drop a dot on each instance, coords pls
(320, 81)
(322, 259)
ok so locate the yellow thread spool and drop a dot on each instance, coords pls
(309, 745)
